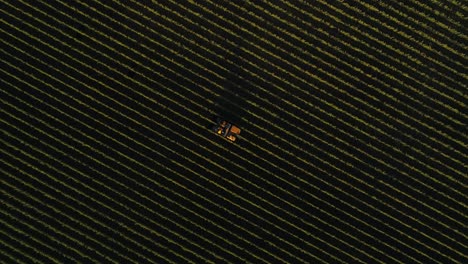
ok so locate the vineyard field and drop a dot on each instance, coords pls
(353, 144)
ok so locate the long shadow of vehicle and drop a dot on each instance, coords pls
(231, 103)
